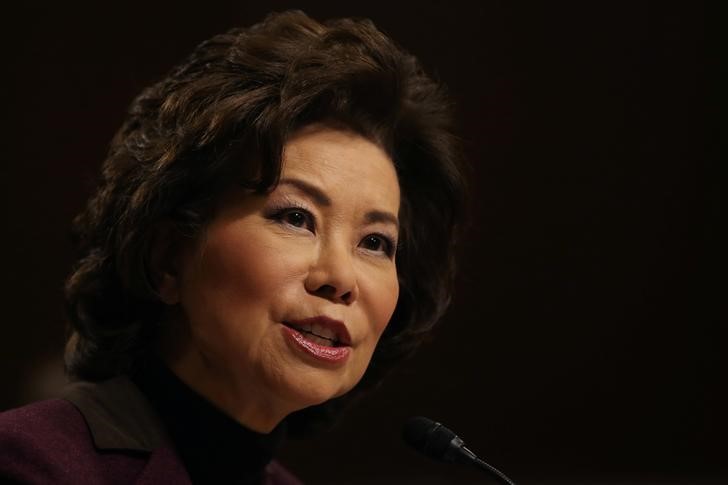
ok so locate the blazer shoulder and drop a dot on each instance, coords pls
(54, 422)
(49, 442)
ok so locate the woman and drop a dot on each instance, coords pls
(273, 232)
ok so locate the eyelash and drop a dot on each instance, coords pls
(280, 214)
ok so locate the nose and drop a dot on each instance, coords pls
(332, 274)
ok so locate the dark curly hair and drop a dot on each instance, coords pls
(188, 137)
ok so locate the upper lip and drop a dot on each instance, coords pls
(336, 326)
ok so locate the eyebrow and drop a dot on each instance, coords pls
(321, 198)
(309, 189)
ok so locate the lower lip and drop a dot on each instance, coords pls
(332, 355)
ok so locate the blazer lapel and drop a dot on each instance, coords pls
(121, 419)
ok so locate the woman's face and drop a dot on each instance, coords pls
(284, 297)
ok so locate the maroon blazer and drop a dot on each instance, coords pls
(99, 433)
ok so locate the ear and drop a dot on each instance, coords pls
(164, 256)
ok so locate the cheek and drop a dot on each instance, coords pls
(238, 273)
(244, 262)
(384, 303)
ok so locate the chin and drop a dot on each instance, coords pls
(312, 397)
(311, 392)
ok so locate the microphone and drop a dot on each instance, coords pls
(436, 441)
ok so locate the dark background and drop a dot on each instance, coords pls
(585, 341)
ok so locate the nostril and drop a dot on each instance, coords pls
(326, 290)
(330, 292)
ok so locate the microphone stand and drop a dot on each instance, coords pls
(467, 456)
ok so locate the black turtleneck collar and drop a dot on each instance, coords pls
(214, 447)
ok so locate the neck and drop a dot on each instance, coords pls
(232, 393)
(212, 445)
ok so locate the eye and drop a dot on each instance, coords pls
(378, 243)
(295, 217)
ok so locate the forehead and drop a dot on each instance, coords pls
(342, 163)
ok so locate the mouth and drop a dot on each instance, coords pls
(322, 331)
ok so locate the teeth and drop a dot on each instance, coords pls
(324, 332)
(319, 340)
(318, 334)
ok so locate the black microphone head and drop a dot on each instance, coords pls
(428, 437)
(436, 441)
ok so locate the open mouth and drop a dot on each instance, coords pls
(326, 340)
(317, 334)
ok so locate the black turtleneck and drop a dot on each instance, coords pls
(214, 447)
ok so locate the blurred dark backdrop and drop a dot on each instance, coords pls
(586, 337)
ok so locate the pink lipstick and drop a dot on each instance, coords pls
(323, 338)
